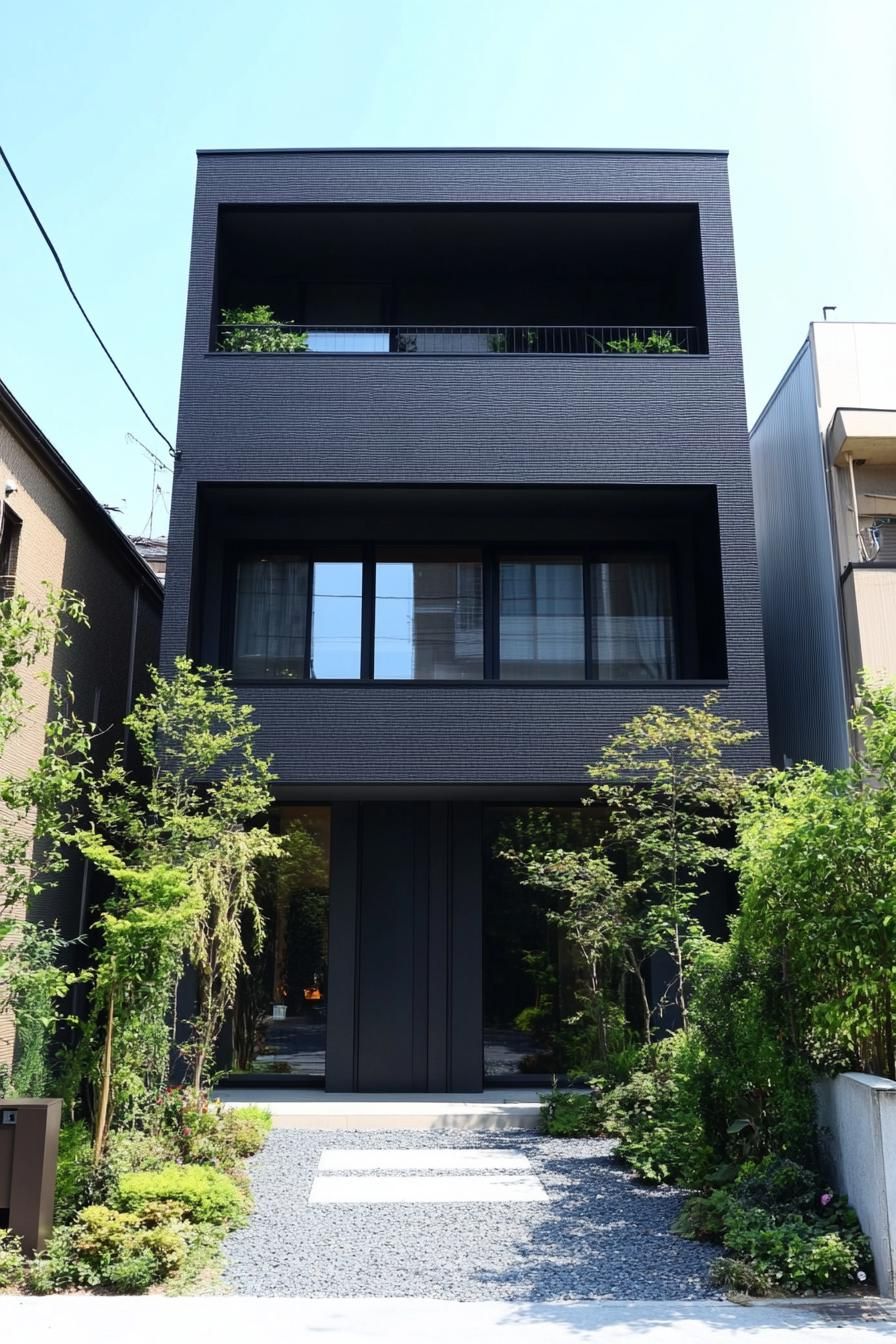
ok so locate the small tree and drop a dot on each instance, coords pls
(597, 916)
(226, 881)
(670, 799)
(37, 817)
(177, 839)
(145, 932)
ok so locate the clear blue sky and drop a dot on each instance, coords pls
(102, 104)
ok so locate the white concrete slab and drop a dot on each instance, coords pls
(421, 1159)
(81, 1319)
(314, 1108)
(494, 1188)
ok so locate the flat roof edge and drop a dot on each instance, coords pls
(472, 149)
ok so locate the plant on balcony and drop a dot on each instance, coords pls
(516, 341)
(256, 331)
(656, 343)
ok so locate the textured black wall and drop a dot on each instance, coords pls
(448, 420)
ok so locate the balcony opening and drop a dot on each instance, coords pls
(618, 586)
(505, 280)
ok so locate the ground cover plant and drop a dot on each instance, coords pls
(718, 1096)
(156, 1206)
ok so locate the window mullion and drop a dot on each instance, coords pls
(368, 608)
(586, 594)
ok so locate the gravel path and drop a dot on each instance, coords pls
(600, 1235)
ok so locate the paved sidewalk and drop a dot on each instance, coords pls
(146, 1320)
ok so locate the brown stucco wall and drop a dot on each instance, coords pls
(63, 541)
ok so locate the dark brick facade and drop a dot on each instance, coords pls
(454, 420)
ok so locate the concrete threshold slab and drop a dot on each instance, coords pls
(312, 1108)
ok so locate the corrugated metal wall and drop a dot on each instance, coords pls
(800, 606)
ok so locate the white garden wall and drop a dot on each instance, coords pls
(857, 1119)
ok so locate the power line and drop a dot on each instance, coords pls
(82, 310)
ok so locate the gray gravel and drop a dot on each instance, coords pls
(601, 1235)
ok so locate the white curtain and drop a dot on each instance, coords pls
(271, 611)
(633, 620)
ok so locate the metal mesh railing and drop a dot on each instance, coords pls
(293, 338)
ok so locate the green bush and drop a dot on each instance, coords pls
(256, 331)
(779, 1186)
(657, 1119)
(571, 1115)
(793, 1253)
(757, 1096)
(12, 1261)
(785, 1231)
(209, 1196)
(703, 1217)
(249, 1126)
(199, 1131)
(106, 1248)
(75, 1172)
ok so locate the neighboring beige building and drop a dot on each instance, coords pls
(824, 467)
(52, 529)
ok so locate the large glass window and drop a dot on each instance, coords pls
(280, 1015)
(633, 631)
(336, 619)
(428, 617)
(542, 618)
(456, 614)
(270, 617)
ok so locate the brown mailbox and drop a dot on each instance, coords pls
(29, 1146)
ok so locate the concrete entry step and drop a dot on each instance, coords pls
(307, 1108)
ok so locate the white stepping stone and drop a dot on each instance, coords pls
(421, 1159)
(448, 1188)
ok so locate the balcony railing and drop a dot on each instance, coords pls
(290, 338)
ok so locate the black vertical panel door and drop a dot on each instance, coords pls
(392, 988)
(405, 948)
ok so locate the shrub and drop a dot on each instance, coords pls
(656, 1116)
(256, 331)
(75, 1171)
(571, 1115)
(106, 1248)
(197, 1130)
(249, 1127)
(783, 1230)
(12, 1261)
(703, 1217)
(793, 1253)
(779, 1186)
(757, 1097)
(209, 1196)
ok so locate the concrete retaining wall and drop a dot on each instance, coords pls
(857, 1118)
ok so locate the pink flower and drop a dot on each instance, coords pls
(826, 1199)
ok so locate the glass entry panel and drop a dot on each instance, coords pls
(530, 972)
(280, 1020)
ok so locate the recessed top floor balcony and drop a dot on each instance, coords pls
(508, 281)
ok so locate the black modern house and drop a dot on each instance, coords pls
(463, 485)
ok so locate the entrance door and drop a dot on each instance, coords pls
(405, 948)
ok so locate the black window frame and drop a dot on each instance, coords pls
(588, 553)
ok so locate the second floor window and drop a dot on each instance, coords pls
(455, 614)
(270, 620)
(428, 617)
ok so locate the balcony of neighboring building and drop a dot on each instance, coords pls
(869, 611)
(493, 282)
